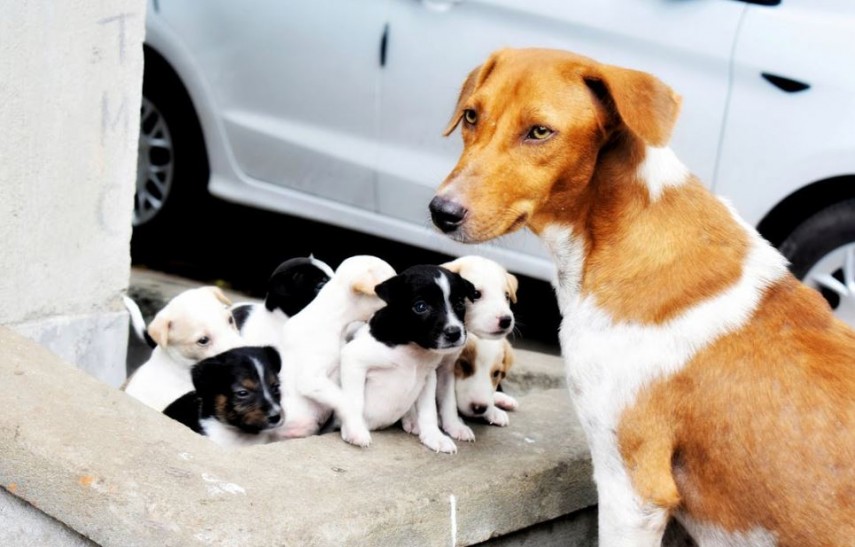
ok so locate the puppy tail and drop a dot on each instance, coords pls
(137, 321)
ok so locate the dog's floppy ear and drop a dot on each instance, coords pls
(454, 266)
(389, 288)
(273, 358)
(207, 375)
(158, 329)
(644, 104)
(468, 288)
(513, 285)
(220, 295)
(476, 77)
(368, 281)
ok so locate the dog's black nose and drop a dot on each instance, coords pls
(274, 418)
(505, 321)
(477, 409)
(452, 334)
(446, 214)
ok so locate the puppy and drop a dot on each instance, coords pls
(194, 325)
(488, 316)
(291, 287)
(479, 370)
(236, 401)
(311, 342)
(712, 385)
(389, 368)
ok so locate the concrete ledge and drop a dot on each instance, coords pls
(118, 473)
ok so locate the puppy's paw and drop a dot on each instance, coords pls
(410, 424)
(504, 401)
(357, 435)
(497, 416)
(460, 431)
(438, 442)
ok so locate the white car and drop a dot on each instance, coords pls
(333, 110)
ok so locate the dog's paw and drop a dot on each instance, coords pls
(497, 416)
(504, 401)
(357, 435)
(460, 431)
(438, 442)
(410, 424)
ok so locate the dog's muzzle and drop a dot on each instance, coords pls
(446, 214)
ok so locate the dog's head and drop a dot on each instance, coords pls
(482, 365)
(194, 325)
(426, 305)
(295, 283)
(534, 122)
(489, 313)
(240, 388)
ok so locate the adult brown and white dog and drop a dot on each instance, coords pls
(712, 385)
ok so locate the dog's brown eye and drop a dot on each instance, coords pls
(470, 116)
(476, 295)
(496, 374)
(539, 133)
(242, 394)
(204, 341)
(420, 307)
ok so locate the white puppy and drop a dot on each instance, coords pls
(312, 339)
(482, 365)
(194, 325)
(489, 316)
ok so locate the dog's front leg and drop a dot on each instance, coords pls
(504, 401)
(447, 402)
(353, 374)
(429, 432)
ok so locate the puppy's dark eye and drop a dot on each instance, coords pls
(421, 307)
(274, 389)
(476, 295)
(539, 133)
(470, 116)
(241, 394)
(497, 374)
(320, 286)
(507, 297)
(231, 320)
(203, 341)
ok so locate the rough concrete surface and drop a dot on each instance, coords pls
(120, 474)
(22, 525)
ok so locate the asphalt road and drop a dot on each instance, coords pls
(238, 247)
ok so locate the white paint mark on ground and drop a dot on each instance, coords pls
(217, 486)
(453, 502)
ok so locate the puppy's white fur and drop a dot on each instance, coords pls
(498, 289)
(194, 325)
(311, 342)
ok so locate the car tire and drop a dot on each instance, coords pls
(172, 167)
(821, 251)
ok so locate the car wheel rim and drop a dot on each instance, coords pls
(155, 164)
(834, 277)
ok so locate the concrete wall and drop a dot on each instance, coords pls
(69, 111)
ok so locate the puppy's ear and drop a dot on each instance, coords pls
(220, 295)
(476, 77)
(453, 266)
(158, 329)
(207, 375)
(468, 288)
(389, 288)
(368, 282)
(642, 102)
(273, 358)
(513, 285)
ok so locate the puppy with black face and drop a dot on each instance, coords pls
(237, 400)
(291, 287)
(389, 367)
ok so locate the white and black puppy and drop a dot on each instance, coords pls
(236, 401)
(479, 370)
(488, 316)
(194, 325)
(388, 368)
(292, 285)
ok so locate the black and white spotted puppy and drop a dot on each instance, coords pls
(388, 368)
(236, 401)
(292, 285)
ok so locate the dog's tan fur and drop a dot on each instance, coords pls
(757, 429)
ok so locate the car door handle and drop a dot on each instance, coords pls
(785, 84)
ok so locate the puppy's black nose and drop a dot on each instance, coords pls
(274, 419)
(446, 214)
(452, 334)
(477, 409)
(505, 321)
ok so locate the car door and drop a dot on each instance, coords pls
(433, 44)
(294, 85)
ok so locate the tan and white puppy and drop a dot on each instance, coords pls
(489, 316)
(311, 342)
(193, 326)
(479, 370)
(712, 385)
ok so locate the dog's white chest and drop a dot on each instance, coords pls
(391, 391)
